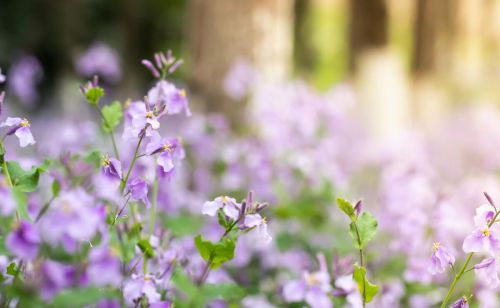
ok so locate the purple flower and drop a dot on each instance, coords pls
(111, 167)
(482, 239)
(72, 218)
(440, 259)
(21, 128)
(228, 205)
(345, 286)
(140, 117)
(487, 269)
(138, 286)
(54, 277)
(104, 267)
(484, 215)
(23, 241)
(239, 80)
(313, 288)
(23, 78)
(138, 190)
(168, 150)
(101, 60)
(168, 97)
(461, 303)
(260, 224)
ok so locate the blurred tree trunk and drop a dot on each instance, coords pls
(368, 27)
(222, 31)
(435, 26)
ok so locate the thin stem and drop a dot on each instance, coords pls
(153, 207)
(455, 280)
(113, 141)
(124, 182)
(463, 270)
(4, 167)
(360, 260)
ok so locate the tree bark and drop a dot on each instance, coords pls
(368, 27)
(222, 31)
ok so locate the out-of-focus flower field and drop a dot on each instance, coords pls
(118, 212)
(112, 198)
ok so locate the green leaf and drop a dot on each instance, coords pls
(204, 248)
(223, 252)
(94, 158)
(56, 187)
(221, 218)
(226, 291)
(94, 94)
(347, 208)
(216, 253)
(112, 115)
(146, 248)
(80, 297)
(182, 224)
(366, 227)
(22, 203)
(12, 269)
(26, 181)
(366, 288)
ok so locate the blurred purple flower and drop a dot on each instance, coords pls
(240, 78)
(104, 267)
(24, 76)
(345, 286)
(23, 241)
(21, 128)
(138, 190)
(138, 286)
(313, 288)
(54, 277)
(487, 269)
(100, 60)
(440, 259)
(71, 219)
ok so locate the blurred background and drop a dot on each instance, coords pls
(431, 55)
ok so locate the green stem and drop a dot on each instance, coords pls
(463, 269)
(360, 260)
(113, 141)
(455, 280)
(4, 166)
(153, 207)
(124, 182)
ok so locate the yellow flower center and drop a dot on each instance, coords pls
(435, 246)
(225, 199)
(25, 123)
(486, 232)
(311, 279)
(105, 160)
(167, 147)
(149, 115)
(182, 93)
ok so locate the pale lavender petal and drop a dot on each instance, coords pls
(25, 136)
